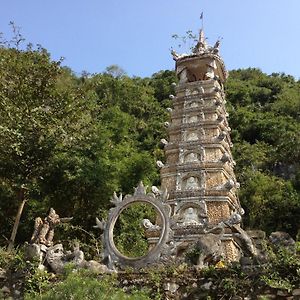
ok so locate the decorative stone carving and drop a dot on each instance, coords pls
(183, 76)
(111, 253)
(191, 217)
(148, 225)
(44, 229)
(193, 104)
(210, 250)
(192, 136)
(202, 153)
(160, 164)
(164, 142)
(210, 72)
(192, 183)
(191, 158)
(187, 92)
(193, 119)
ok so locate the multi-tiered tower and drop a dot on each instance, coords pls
(198, 172)
(197, 206)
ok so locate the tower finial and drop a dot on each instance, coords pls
(201, 45)
(201, 18)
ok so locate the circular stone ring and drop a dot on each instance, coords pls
(111, 251)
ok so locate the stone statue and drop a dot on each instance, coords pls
(191, 217)
(191, 157)
(57, 259)
(192, 136)
(192, 119)
(148, 225)
(160, 164)
(192, 183)
(193, 104)
(44, 229)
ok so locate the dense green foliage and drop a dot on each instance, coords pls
(264, 117)
(71, 141)
(129, 237)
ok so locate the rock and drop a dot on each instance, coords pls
(5, 290)
(41, 267)
(296, 292)
(256, 234)
(2, 273)
(282, 293)
(246, 261)
(96, 267)
(171, 287)
(206, 286)
(280, 238)
(54, 258)
(17, 293)
(33, 252)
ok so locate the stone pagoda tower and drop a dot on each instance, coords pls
(197, 206)
(198, 172)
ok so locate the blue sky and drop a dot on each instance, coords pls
(136, 34)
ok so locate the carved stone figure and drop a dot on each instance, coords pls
(54, 258)
(191, 217)
(192, 119)
(44, 230)
(192, 137)
(148, 225)
(191, 157)
(211, 250)
(210, 71)
(192, 183)
(160, 164)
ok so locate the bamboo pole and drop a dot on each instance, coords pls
(17, 219)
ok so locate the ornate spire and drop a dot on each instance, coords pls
(201, 45)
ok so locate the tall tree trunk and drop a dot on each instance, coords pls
(17, 220)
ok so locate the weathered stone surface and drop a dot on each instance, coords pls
(44, 229)
(172, 287)
(282, 293)
(2, 273)
(5, 290)
(296, 292)
(206, 286)
(96, 267)
(280, 238)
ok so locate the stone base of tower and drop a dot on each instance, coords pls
(212, 247)
(231, 250)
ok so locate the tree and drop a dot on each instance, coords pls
(38, 119)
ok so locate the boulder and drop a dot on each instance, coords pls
(280, 238)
